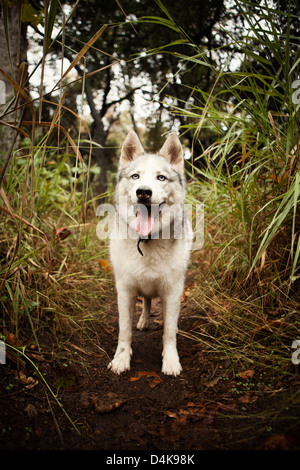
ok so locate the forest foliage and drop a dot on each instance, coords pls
(225, 75)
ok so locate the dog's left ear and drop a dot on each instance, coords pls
(131, 149)
(172, 151)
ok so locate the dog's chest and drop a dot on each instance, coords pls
(161, 265)
(153, 274)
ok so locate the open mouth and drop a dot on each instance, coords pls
(146, 214)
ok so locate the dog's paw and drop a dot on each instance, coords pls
(120, 363)
(171, 365)
(143, 323)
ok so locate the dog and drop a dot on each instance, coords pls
(150, 243)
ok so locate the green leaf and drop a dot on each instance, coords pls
(31, 15)
(65, 381)
(51, 20)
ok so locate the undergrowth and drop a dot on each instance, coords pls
(45, 235)
(247, 274)
(246, 293)
(51, 282)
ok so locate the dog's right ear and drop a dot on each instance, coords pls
(131, 149)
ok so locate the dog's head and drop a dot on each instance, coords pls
(152, 182)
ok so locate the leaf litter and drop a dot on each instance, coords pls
(141, 409)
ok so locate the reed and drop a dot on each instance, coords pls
(46, 234)
(246, 295)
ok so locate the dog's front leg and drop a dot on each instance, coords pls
(121, 360)
(171, 307)
(143, 322)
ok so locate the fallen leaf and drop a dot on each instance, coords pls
(65, 381)
(191, 404)
(246, 374)
(108, 408)
(31, 410)
(187, 292)
(192, 409)
(28, 382)
(171, 414)
(21, 377)
(275, 179)
(10, 338)
(62, 233)
(212, 383)
(37, 357)
(108, 405)
(181, 419)
(155, 381)
(247, 398)
(156, 378)
(31, 383)
(105, 264)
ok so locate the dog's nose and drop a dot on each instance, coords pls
(144, 193)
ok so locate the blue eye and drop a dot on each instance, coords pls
(161, 178)
(135, 176)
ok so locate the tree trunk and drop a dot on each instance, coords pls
(10, 60)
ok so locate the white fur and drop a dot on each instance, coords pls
(160, 272)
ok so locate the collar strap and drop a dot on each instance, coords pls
(142, 240)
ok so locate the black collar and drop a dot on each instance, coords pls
(142, 240)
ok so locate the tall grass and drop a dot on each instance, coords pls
(44, 195)
(250, 172)
(247, 275)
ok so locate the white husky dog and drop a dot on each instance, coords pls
(150, 197)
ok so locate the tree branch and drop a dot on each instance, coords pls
(125, 97)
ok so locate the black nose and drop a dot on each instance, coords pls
(144, 193)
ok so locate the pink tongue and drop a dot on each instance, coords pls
(144, 224)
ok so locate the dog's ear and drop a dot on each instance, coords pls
(172, 151)
(131, 149)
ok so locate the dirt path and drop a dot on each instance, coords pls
(139, 410)
(156, 411)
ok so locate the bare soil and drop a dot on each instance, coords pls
(141, 409)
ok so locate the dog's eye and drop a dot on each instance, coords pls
(161, 177)
(135, 176)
